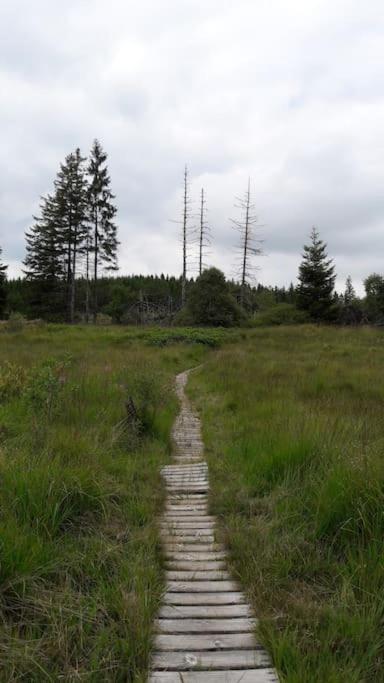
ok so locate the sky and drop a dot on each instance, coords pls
(287, 93)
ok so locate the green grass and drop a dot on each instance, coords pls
(80, 489)
(294, 425)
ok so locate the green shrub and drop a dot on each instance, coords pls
(12, 380)
(281, 314)
(15, 323)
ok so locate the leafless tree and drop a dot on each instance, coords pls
(249, 245)
(204, 231)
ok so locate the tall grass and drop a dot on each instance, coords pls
(80, 570)
(294, 423)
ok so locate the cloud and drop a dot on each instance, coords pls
(287, 93)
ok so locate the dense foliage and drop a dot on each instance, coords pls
(75, 225)
(316, 281)
(210, 302)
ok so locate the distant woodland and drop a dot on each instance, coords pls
(71, 263)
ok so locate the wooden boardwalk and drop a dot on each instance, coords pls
(205, 631)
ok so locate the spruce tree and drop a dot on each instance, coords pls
(58, 236)
(102, 240)
(316, 280)
(3, 291)
(71, 199)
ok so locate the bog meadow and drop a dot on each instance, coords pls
(293, 429)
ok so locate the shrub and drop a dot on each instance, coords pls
(211, 303)
(12, 381)
(16, 323)
(281, 314)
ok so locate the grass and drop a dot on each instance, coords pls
(293, 420)
(80, 489)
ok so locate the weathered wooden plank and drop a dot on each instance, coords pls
(185, 547)
(181, 612)
(179, 524)
(189, 540)
(206, 625)
(231, 659)
(221, 641)
(201, 586)
(233, 598)
(235, 676)
(197, 575)
(196, 566)
(189, 517)
(196, 556)
(195, 532)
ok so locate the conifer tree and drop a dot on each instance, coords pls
(102, 240)
(3, 291)
(316, 280)
(71, 204)
(57, 239)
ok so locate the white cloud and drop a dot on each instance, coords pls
(287, 93)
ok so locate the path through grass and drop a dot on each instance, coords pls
(80, 571)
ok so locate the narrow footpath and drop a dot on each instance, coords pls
(205, 631)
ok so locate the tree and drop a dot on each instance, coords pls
(57, 239)
(45, 261)
(211, 303)
(316, 280)
(185, 234)
(249, 245)
(3, 291)
(204, 231)
(374, 300)
(351, 310)
(102, 241)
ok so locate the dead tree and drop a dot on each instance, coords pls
(249, 245)
(204, 231)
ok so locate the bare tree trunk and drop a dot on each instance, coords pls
(185, 220)
(95, 273)
(201, 240)
(87, 284)
(246, 240)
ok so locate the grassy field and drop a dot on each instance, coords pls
(294, 424)
(80, 568)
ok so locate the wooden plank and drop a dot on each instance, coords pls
(180, 528)
(236, 676)
(195, 532)
(231, 659)
(197, 575)
(196, 556)
(221, 641)
(195, 566)
(233, 598)
(181, 612)
(189, 517)
(206, 625)
(201, 586)
(189, 540)
(185, 547)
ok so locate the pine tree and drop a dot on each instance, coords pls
(71, 200)
(3, 291)
(57, 239)
(102, 241)
(204, 231)
(316, 280)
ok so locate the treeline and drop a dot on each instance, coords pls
(73, 243)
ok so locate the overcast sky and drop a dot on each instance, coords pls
(288, 92)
